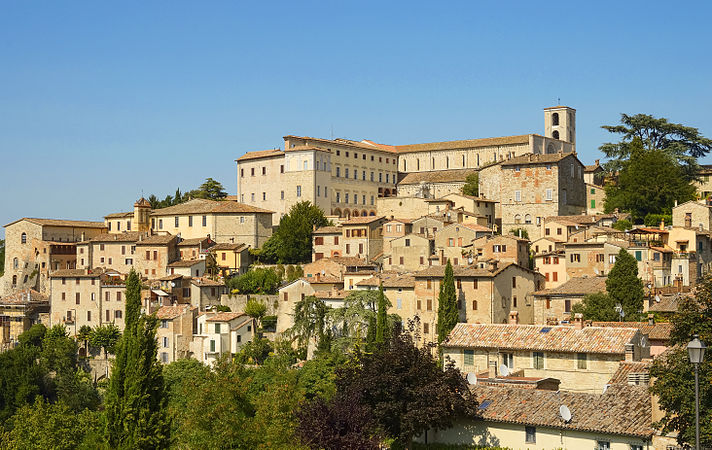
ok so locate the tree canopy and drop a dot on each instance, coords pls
(292, 241)
(448, 313)
(472, 185)
(681, 143)
(673, 374)
(649, 182)
(256, 281)
(210, 189)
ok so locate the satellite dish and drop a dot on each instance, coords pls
(657, 299)
(472, 378)
(605, 388)
(565, 413)
(173, 284)
(595, 271)
(503, 370)
(323, 272)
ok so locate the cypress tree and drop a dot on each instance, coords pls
(624, 286)
(136, 400)
(448, 315)
(381, 318)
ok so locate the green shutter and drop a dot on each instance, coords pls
(593, 203)
(469, 357)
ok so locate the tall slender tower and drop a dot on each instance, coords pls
(142, 215)
(560, 123)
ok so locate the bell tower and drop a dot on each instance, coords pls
(142, 215)
(560, 123)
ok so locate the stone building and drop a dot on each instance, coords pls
(363, 237)
(584, 359)
(553, 305)
(409, 253)
(693, 214)
(195, 248)
(220, 333)
(393, 229)
(591, 259)
(34, 247)
(139, 220)
(83, 297)
(454, 242)
(222, 221)
(155, 253)
(231, 258)
(534, 186)
(18, 312)
(485, 294)
(553, 266)
(326, 242)
(435, 184)
(175, 332)
(504, 248)
(595, 199)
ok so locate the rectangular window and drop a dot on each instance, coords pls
(517, 196)
(177, 221)
(205, 221)
(548, 194)
(190, 221)
(603, 445)
(165, 342)
(118, 314)
(530, 435)
(555, 276)
(426, 328)
(581, 360)
(77, 297)
(638, 255)
(108, 315)
(468, 357)
(575, 258)
(212, 346)
(399, 303)
(593, 203)
(88, 316)
(299, 191)
(118, 296)
(567, 306)
(429, 304)
(538, 360)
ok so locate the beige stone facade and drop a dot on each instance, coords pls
(503, 248)
(532, 187)
(409, 253)
(289, 295)
(34, 247)
(232, 258)
(18, 312)
(591, 259)
(79, 297)
(693, 214)
(553, 305)
(552, 266)
(175, 332)
(327, 242)
(595, 199)
(155, 253)
(454, 242)
(363, 237)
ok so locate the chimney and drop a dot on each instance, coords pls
(492, 370)
(578, 321)
(629, 352)
(318, 277)
(662, 224)
(651, 319)
(513, 318)
(597, 162)
(675, 202)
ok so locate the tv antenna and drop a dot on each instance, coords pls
(565, 413)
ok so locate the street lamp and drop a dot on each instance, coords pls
(696, 351)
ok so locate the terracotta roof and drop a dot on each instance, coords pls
(559, 107)
(667, 303)
(565, 339)
(227, 246)
(175, 276)
(471, 271)
(471, 197)
(535, 158)
(171, 312)
(468, 143)
(261, 154)
(476, 227)
(326, 279)
(390, 280)
(119, 215)
(225, 316)
(405, 221)
(157, 239)
(657, 331)
(363, 220)
(368, 145)
(339, 294)
(437, 176)
(205, 206)
(328, 230)
(186, 262)
(194, 242)
(61, 223)
(629, 367)
(207, 282)
(621, 410)
(127, 236)
(75, 273)
(593, 168)
(21, 297)
(576, 286)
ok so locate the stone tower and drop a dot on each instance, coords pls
(560, 123)
(142, 215)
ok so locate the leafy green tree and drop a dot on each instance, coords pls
(136, 401)
(624, 287)
(59, 351)
(105, 337)
(472, 185)
(256, 309)
(34, 336)
(406, 389)
(680, 143)
(650, 182)
(255, 281)
(623, 225)
(254, 352)
(182, 379)
(521, 232)
(83, 335)
(317, 377)
(22, 378)
(280, 271)
(212, 190)
(673, 374)
(55, 426)
(309, 321)
(292, 241)
(653, 220)
(382, 318)
(448, 314)
(598, 307)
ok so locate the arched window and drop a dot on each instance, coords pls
(518, 218)
(14, 280)
(15, 263)
(555, 134)
(555, 119)
(372, 213)
(355, 213)
(528, 218)
(474, 305)
(23, 238)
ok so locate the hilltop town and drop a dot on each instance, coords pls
(516, 224)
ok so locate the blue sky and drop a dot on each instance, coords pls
(102, 101)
